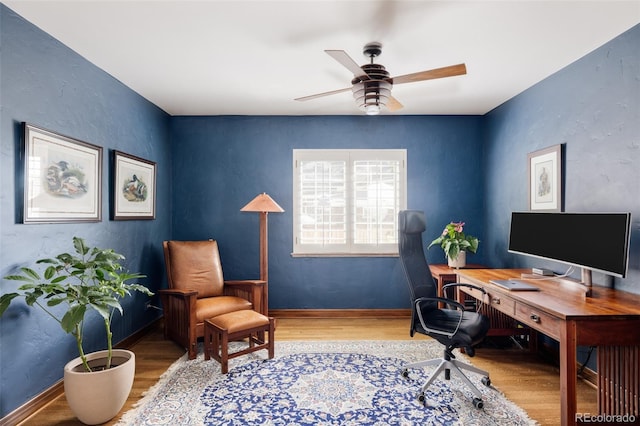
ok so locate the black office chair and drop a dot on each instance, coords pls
(453, 326)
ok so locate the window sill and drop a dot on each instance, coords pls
(344, 254)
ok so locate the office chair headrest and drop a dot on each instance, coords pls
(412, 222)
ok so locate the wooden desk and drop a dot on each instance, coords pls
(610, 320)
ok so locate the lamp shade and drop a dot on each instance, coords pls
(262, 203)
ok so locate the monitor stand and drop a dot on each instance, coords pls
(584, 285)
(586, 281)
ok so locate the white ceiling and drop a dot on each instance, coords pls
(254, 57)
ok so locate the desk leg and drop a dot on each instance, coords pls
(568, 373)
(440, 282)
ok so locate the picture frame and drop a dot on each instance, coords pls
(133, 188)
(544, 169)
(62, 178)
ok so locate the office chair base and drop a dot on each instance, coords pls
(448, 366)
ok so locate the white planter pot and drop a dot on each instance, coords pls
(458, 262)
(98, 396)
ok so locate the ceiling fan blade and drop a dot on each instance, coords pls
(319, 95)
(342, 57)
(449, 71)
(393, 104)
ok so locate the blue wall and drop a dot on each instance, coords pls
(45, 83)
(223, 162)
(592, 107)
(209, 167)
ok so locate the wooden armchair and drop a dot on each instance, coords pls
(198, 291)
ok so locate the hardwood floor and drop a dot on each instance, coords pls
(524, 378)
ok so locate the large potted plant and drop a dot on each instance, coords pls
(96, 384)
(455, 243)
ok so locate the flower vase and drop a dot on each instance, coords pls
(458, 262)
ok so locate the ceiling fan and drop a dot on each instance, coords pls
(371, 85)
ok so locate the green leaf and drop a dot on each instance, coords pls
(80, 246)
(5, 301)
(31, 273)
(18, 278)
(140, 288)
(59, 279)
(453, 252)
(102, 310)
(56, 301)
(31, 298)
(473, 244)
(49, 272)
(72, 318)
(29, 286)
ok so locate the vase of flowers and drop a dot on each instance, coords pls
(455, 243)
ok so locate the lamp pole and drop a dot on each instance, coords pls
(264, 246)
(263, 204)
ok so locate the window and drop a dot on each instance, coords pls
(346, 202)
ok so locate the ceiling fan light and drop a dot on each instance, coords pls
(372, 109)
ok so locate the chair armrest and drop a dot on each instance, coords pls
(438, 299)
(470, 286)
(178, 307)
(175, 302)
(175, 292)
(449, 302)
(245, 283)
(252, 290)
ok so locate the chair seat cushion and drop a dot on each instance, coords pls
(215, 306)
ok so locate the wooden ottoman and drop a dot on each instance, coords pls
(218, 331)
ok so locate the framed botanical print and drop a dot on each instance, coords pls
(133, 188)
(62, 178)
(544, 169)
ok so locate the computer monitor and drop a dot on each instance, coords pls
(591, 241)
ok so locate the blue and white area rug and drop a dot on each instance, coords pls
(319, 383)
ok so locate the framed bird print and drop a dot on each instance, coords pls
(134, 188)
(544, 169)
(62, 178)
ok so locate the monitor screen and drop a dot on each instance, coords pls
(597, 241)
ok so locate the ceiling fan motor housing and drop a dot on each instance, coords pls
(373, 93)
(372, 50)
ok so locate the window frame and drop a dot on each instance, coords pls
(350, 249)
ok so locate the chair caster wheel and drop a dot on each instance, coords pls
(405, 373)
(422, 398)
(486, 381)
(477, 402)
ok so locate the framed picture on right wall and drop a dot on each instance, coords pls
(134, 188)
(544, 169)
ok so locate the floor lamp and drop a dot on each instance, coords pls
(263, 204)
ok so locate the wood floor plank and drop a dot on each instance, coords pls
(526, 379)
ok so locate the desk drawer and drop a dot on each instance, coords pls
(496, 300)
(538, 320)
(502, 303)
(476, 294)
